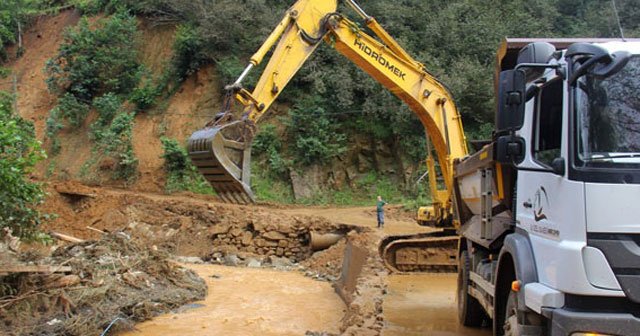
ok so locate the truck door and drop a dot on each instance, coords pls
(549, 206)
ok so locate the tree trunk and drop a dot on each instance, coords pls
(19, 34)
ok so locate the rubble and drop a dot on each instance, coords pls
(111, 278)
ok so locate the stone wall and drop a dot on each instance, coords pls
(290, 242)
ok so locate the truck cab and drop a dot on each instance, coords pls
(566, 152)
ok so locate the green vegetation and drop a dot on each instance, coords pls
(331, 101)
(14, 15)
(115, 141)
(19, 153)
(95, 60)
(97, 67)
(181, 174)
(313, 136)
(188, 54)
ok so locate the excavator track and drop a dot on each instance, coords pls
(223, 162)
(433, 252)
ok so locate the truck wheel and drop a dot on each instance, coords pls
(470, 312)
(510, 326)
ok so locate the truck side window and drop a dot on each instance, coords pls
(548, 125)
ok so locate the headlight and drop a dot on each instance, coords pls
(590, 334)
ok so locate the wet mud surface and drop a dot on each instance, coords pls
(246, 301)
(424, 305)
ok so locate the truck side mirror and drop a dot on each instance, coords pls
(511, 101)
(510, 149)
(557, 165)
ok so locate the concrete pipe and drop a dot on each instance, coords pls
(321, 241)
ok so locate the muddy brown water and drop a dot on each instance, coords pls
(424, 305)
(252, 301)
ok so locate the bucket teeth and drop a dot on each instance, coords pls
(222, 163)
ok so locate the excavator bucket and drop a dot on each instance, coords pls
(434, 252)
(223, 157)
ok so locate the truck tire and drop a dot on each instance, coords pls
(510, 326)
(470, 312)
(510, 322)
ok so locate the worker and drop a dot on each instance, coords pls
(380, 210)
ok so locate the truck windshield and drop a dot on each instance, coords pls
(608, 119)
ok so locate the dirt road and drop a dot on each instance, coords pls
(397, 221)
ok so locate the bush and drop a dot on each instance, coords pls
(71, 109)
(107, 106)
(188, 55)
(91, 62)
(313, 137)
(176, 160)
(267, 144)
(116, 141)
(19, 153)
(145, 96)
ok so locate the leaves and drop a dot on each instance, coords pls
(91, 62)
(19, 153)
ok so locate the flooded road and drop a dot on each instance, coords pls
(252, 301)
(424, 305)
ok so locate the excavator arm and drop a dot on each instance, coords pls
(221, 151)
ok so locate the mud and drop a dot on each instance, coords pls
(424, 305)
(253, 302)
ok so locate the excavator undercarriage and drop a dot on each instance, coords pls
(433, 252)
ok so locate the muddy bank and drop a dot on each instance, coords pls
(114, 278)
(183, 224)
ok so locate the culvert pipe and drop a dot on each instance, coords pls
(321, 241)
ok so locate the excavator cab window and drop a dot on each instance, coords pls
(548, 123)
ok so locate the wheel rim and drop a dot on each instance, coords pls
(511, 317)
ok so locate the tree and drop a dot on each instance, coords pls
(19, 153)
(14, 14)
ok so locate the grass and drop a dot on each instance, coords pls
(366, 189)
(190, 181)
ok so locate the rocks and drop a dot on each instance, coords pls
(189, 260)
(218, 229)
(231, 260)
(274, 235)
(278, 262)
(253, 263)
(287, 241)
(247, 238)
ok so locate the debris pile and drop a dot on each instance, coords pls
(113, 279)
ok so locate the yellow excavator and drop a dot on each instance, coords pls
(222, 150)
